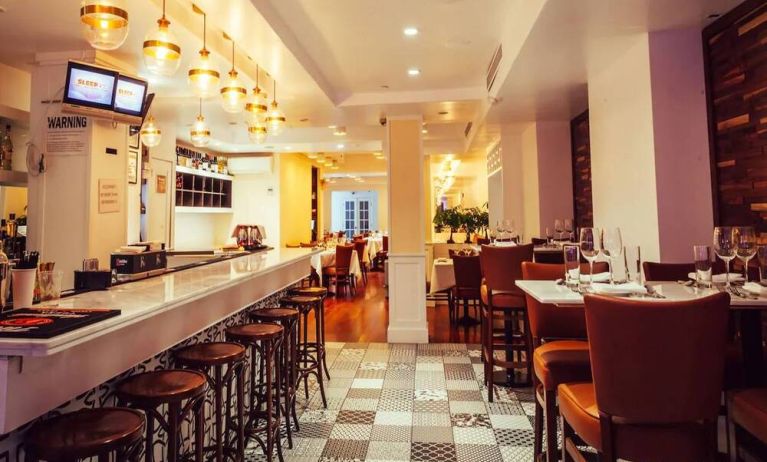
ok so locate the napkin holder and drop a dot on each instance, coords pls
(93, 280)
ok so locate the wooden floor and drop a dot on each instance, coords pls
(364, 317)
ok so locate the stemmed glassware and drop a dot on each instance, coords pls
(509, 227)
(498, 230)
(725, 248)
(612, 247)
(549, 236)
(569, 228)
(558, 228)
(589, 243)
(745, 245)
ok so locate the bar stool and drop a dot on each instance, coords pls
(309, 353)
(87, 433)
(321, 292)
(183, 391)
(288, 319)
(217, 356)
(265, 342)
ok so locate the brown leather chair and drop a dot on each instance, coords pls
(748, 414)
(360, 245)
(503, 301)
(649, 401)
(539, 241)
(561, 353)
(339, 273)
(483, 241)
(667, 271)
(383, 254)
(468, 283)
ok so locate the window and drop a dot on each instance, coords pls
(349, 218)
(364, 221)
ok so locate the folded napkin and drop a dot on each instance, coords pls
(755, 288)
(598, 277)
(720, 278)
(443, 260)
(505, 244)
(627, 288)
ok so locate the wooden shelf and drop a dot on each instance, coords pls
(203, 210)
(13, 178)
(207, 191)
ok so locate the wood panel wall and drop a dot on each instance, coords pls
(735, 52)
(581, 153)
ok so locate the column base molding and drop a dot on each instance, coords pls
(407, 299)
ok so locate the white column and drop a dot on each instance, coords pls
(407, 258)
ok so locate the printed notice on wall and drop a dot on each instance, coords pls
(66, 135)
(109, 195)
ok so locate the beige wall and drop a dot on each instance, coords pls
(405, 155)
(14, 200)
(530, 170)
(295, 198)
(256, 200)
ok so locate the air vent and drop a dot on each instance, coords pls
(467, 130)
(492, 69)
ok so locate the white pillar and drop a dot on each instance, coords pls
(407, 257)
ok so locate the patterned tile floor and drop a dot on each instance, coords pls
(401, 402)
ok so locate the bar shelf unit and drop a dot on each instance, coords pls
(199, 191)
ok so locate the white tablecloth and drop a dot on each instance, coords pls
(442, 275)
(327, 259)
(375, 244)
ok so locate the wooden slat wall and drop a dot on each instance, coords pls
(735, 50)
(581, 151)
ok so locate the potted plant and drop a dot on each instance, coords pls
(439, 219)
(454, 220)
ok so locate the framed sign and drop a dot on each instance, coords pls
(133, 137)
(133, 166)
(162, 184)
(109, 195)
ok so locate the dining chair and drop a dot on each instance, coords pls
(483, 241)
(748, 422)
(339, 273)
(654, 271)
(468, 282)
(539, 241)
(649, 401)
(382, 254)
(360, 245)
(503, 302)
(561, 352)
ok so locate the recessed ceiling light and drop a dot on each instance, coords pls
(410, 31)
(413, 72)
(339, 131)
(287, 148)
(340, 146)
(332, 127)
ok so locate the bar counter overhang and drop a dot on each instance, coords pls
(37, 376)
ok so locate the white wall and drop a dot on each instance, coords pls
(369, 185)
(531, 223)
(256, 200)
(555, 174)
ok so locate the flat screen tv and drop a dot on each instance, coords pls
(89, 89)
(129, 99)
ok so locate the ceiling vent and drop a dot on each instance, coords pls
(492, 69)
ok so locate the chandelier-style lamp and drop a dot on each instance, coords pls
(257, 105)
(104, 23)
(150, 134)
(203, 76)
(275, 120)
(233, 93)
(162, 54)
(200, 133)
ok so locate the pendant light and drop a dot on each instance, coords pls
(150, 134)
(256, 107)
(162, 55)
(203, 77)
(257, 132)
(104, 23)
(200, 133)
(275, 120)
(233, 93)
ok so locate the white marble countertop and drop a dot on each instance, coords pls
(550, 293)
(142, 299)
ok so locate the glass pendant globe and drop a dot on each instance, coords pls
(104, 23)
(200, 134)
(150, 134)
(275, 120)
(233, 94)
(162, 55)
(256, 106)
(203, 77)
(257, 133)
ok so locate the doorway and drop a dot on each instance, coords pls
(354, 212)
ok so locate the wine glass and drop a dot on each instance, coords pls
(549, 236)
(569, 228)
(745, 246)
(589, 243)
(724, 247)
(559, 226)
(612, 247)
(508, 225)
(498, 230)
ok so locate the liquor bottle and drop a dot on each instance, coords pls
(214, 165)
(6, 149)
(5, 274)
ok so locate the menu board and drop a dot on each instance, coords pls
(129, 98)
(50, 321)
(90, 86)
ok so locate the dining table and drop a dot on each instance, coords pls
(747, 307)
(327, 259)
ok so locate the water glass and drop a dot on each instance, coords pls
(724, 247)
(589, 245)
(612, 247)
(761, 256)
(549, 236)
(745, 245)
(569, 228)
(632, 260)
(572, 265)
(702, 258)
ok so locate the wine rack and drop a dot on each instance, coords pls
(202, 192)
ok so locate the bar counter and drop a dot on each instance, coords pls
(39, 375)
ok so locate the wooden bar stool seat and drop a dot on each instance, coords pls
(288, 319)
(311, 354)
(264, 412)
(321, 292)
(87, 433)
(309, 291)
(212, 358)
(183, 391)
